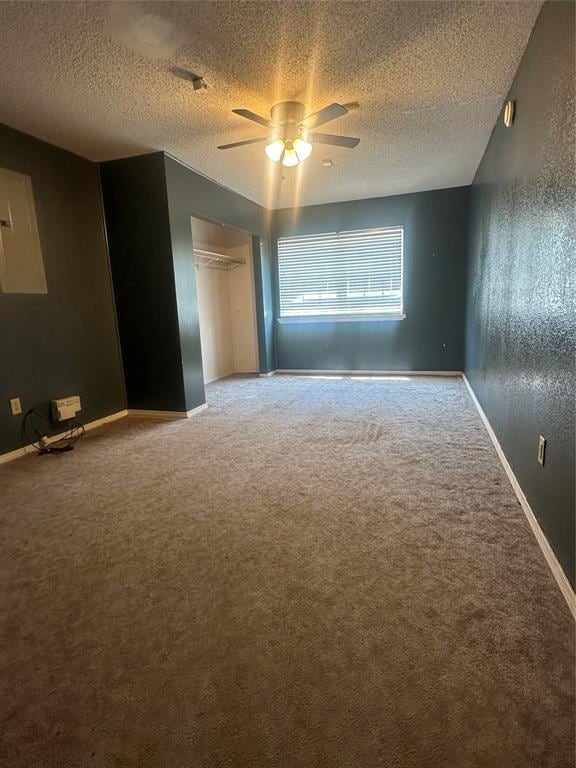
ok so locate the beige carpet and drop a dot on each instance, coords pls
(314, 573)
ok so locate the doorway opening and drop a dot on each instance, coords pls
(226, 299)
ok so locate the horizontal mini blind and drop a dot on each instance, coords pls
(352, 273)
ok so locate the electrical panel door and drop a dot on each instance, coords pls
(21, 263)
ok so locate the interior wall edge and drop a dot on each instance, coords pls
(212, 181)
(111, 283)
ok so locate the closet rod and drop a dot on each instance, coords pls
(216, 260)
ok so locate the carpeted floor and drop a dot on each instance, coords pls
(314, 573)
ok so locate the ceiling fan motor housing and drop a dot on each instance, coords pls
(289, 115)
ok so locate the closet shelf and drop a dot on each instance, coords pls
(212, 260)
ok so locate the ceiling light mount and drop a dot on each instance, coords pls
(288, 113)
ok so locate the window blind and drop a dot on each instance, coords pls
(358, 272)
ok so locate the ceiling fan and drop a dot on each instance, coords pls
(290, 135)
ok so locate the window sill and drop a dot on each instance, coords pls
(339, 319)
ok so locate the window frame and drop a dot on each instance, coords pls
(358, 317)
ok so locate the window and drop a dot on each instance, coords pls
(342, 274)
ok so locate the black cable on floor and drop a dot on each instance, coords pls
(36, 426)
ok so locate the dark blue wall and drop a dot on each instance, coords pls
(63, 342)
(522, 281)
(431, 337)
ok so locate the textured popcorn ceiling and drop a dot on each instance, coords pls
(430, 77)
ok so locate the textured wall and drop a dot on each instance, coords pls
(431, 337)
(521, 304)
(64, 342)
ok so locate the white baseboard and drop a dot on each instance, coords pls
(547, 551)
(198, 409)
(236, 372)
(11, 455)
(219, 377)
(166, 414)
(106, 420)
(319, 372)
(53, 438)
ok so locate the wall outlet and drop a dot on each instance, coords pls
(541, 450)
(16, 406)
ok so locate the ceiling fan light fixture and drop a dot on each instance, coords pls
(275, 149)
(291, 133)
(302, 148)
(290, 158)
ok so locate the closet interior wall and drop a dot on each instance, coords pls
(226, 301)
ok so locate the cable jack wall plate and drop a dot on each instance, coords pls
(65, 408)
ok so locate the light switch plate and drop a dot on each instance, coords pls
(15, 406)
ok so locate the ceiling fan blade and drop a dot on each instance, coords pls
(336, 141)
(243, 143)
(331, 112)
(254, 117)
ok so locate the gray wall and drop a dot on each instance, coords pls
(521, 288)
(431, 337)
(63, 342)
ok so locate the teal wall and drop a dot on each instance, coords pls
(521, 322)
(431, 337)
(63, 342)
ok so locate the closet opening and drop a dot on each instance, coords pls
(226, 299)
